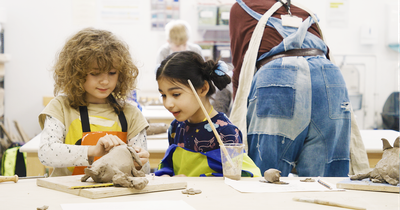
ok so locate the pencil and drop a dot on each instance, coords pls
(92, 186)
(328, 203)
(324, 184)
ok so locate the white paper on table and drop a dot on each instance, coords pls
(293, 186)
(131, 205)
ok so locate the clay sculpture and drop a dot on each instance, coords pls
(387, 169)
(118, 167)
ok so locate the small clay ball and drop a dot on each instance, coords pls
(272, 175)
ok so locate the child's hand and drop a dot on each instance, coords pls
(143, 155)
(104, 145)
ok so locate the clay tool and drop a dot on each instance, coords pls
(15, 178)
(93, 186)
(221, 144)
(324, 184)
(328, 203)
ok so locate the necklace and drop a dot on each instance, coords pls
(212, 108)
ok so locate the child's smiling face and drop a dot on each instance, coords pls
(180, 101)
(99, 86)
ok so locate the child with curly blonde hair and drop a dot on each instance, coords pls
(94, 74)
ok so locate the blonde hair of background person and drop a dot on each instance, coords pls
(178, 34)
(94, 70)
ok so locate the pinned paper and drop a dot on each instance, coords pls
(291, 21)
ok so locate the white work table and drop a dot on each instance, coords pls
(25, 194)
(157, 144)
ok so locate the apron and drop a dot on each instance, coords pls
(91, 138)
(239, 109)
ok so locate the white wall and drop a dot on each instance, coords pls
(36, 30)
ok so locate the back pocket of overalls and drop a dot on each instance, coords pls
(339, 103)
(276, 92)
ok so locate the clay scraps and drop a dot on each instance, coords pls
(191, 191)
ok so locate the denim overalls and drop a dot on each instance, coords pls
(298, 108)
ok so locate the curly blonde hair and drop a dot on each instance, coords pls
(80, 52)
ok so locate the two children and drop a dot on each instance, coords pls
(93, 74)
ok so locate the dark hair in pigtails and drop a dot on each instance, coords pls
(218, 75)
(184, 65)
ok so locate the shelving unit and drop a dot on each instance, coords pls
(214, 29)
(3, 59)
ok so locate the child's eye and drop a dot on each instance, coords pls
(176, 94)
(163, 96)
(112, 72)
(94, 73)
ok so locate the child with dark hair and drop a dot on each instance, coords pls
(194, 149)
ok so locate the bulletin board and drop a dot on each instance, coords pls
(163, 11)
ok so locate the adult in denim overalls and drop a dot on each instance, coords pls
(298, 108)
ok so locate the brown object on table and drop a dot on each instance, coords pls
(273, 176)
(9, 178)
(42, 208)
(387, 169)
(118, 165)
(191, 191)
(157, 128)
(15, 178)
(68, 184)
(307, 180)
(328, 203)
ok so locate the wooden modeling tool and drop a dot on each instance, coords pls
(328, 203)
(16, 178)
(221, 144)
(9, 178)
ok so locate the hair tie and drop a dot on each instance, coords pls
(221, 69)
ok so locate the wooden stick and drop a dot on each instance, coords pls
(328, 203)
(221, 144)
(21, 132)
(9, 178)
(8, 135)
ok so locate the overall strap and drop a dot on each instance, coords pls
(85, 120)
(239, 109)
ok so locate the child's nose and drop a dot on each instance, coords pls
(168, 103)
(104, 78)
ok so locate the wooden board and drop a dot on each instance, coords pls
(366, 184)
(65, 182)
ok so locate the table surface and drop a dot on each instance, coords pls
(25, 194)
(371, 138)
